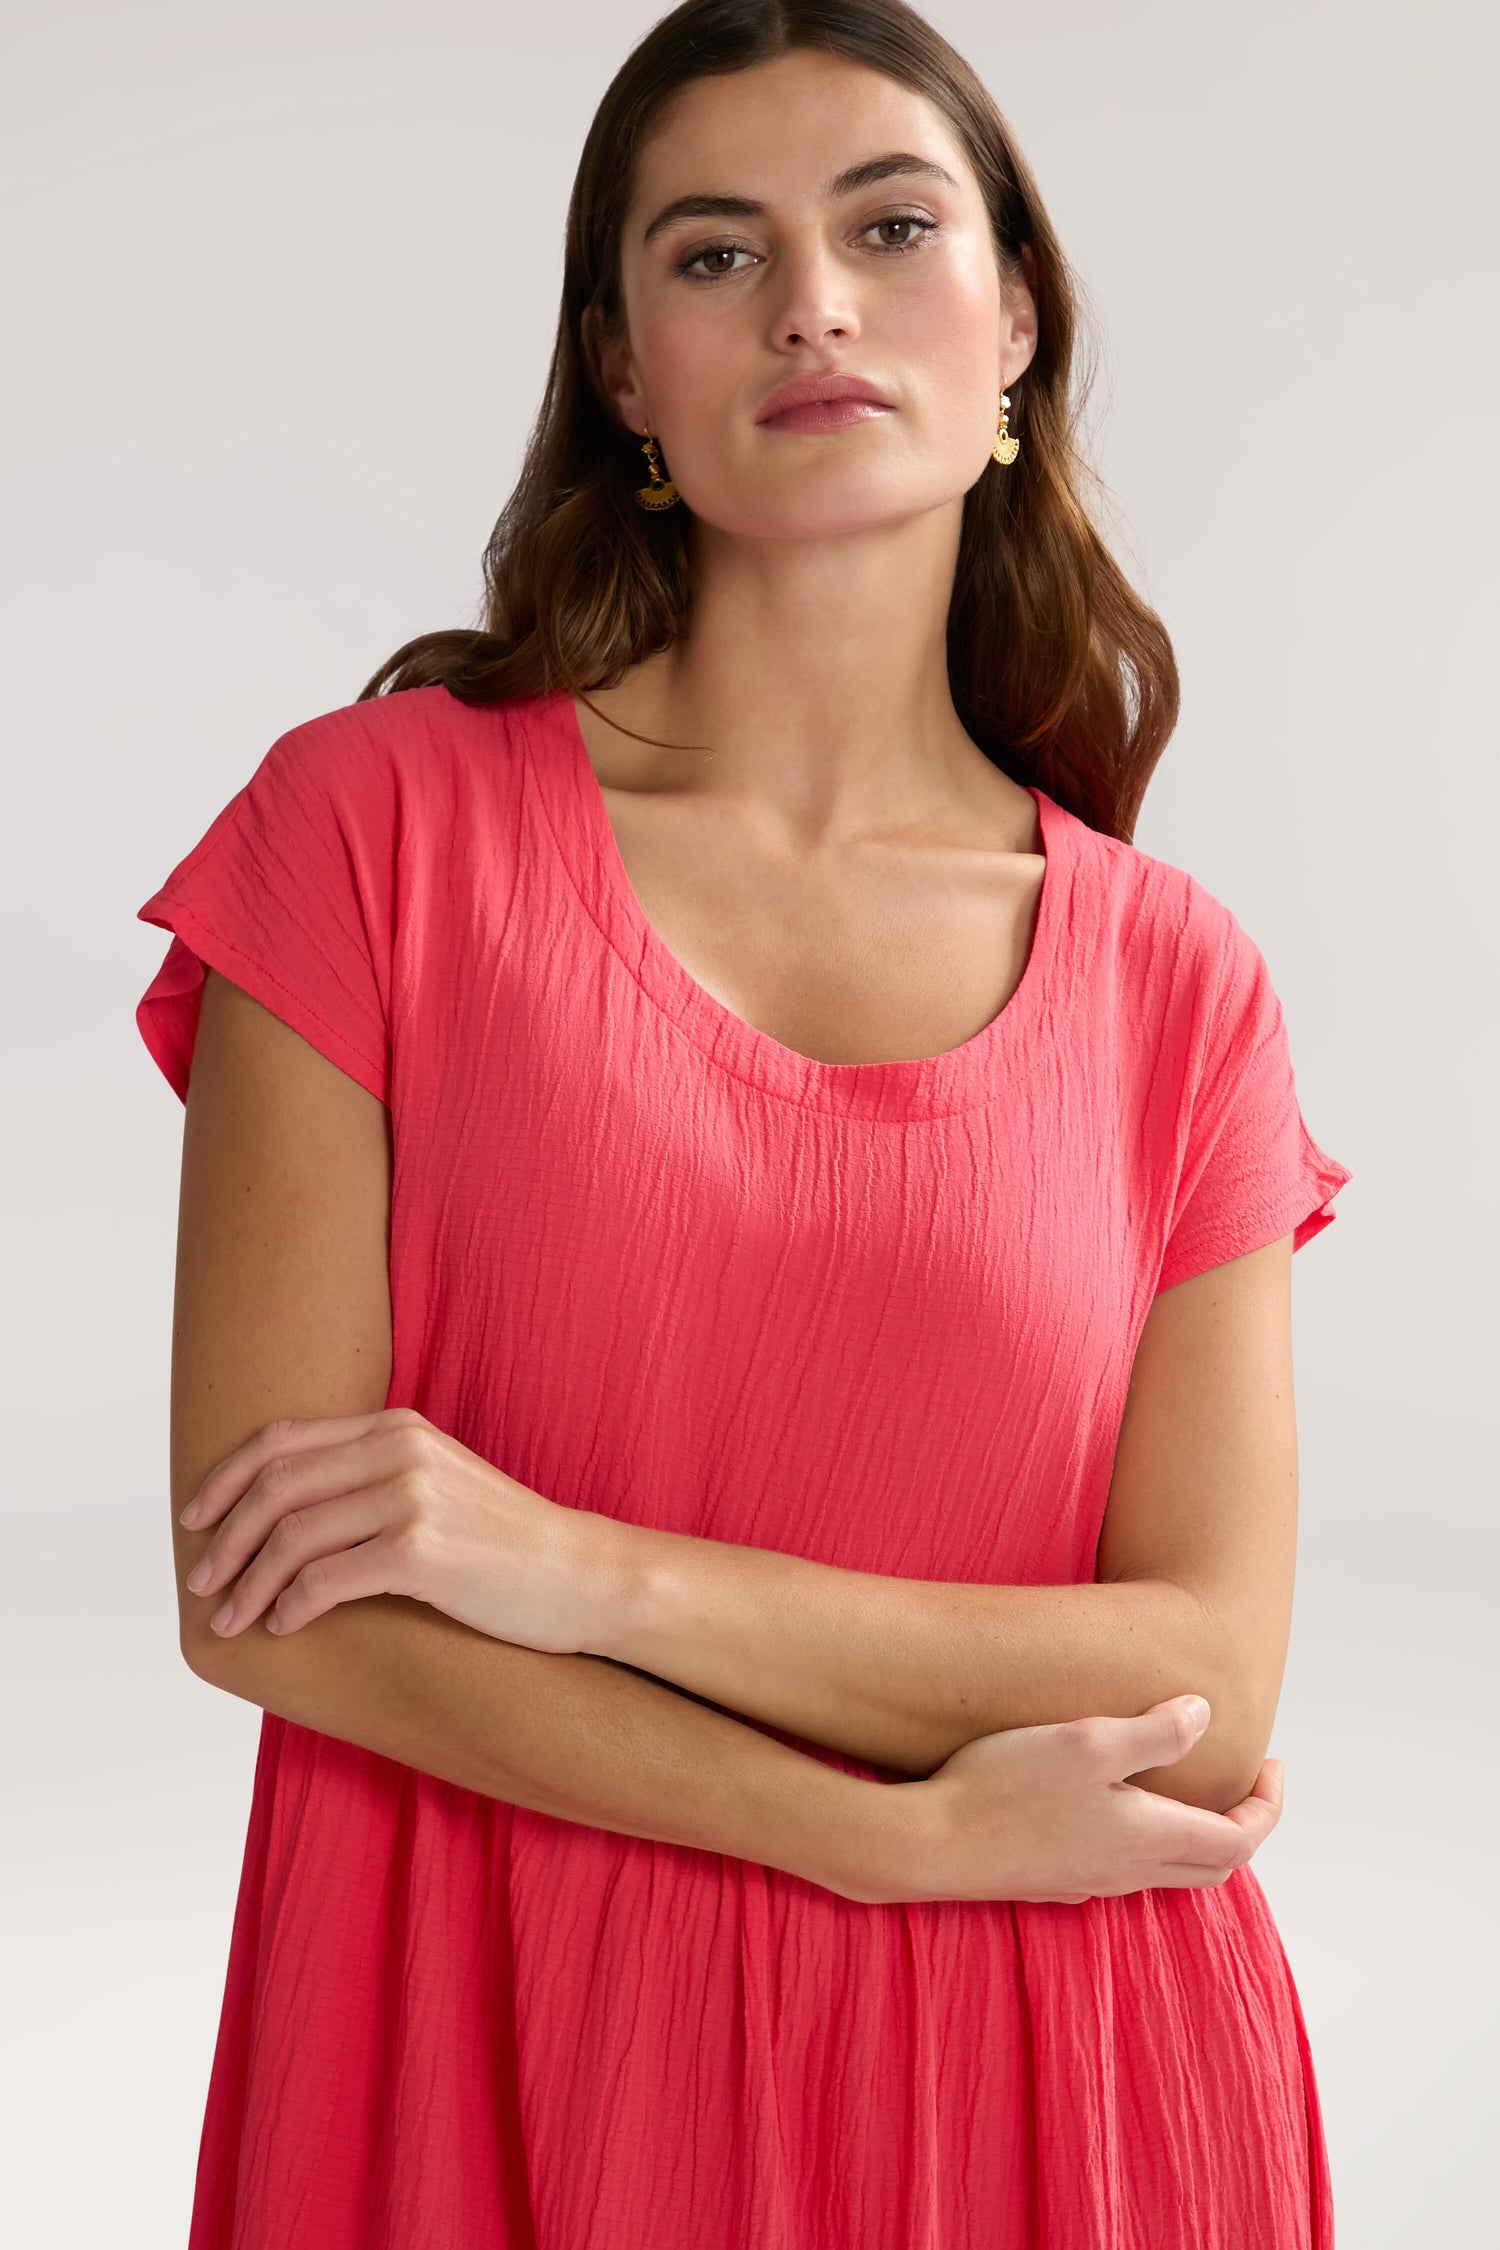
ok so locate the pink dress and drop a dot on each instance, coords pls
(649, 1261)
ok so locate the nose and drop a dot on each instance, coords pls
(816, 298)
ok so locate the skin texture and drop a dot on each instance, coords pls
(844, 868)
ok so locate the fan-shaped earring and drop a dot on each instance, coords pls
(1005, 447)
(661, 491)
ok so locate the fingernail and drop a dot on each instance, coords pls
(221, 1616)
(189, 1513)
(200, 1574)
(1198, 1712)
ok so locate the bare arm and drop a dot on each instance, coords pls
(1193, 1593)
(283, 1308)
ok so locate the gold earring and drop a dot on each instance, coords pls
(660, 492)
(1005, 447)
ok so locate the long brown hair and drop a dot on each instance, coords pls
(1058, 670)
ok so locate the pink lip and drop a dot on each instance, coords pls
(823, 391)
(826, 414)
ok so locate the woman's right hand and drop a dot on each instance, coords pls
(1045, 1814)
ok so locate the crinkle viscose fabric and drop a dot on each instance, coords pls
(651, 1262)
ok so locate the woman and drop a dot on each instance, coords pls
(765, 1225)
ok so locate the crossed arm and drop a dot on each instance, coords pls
(282, 1308)
(1193, 1589)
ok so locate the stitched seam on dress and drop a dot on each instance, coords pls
(216, 937)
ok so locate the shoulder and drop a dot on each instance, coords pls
(1162, 926)
(1187, 986)
(410, 735)
(395, 769)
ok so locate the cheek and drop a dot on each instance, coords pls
(949, 340)
(948, 326)
(685, 361)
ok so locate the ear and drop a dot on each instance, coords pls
(608, 348)
(1018, 321)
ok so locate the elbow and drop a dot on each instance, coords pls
(1215, 1775)
(202, 1651)
(1222, 1768)
(1223, 1781)
(207, 1657)
(1239, 1671)
(194, 1655)
(252, 1664)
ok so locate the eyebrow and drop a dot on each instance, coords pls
(847, 182)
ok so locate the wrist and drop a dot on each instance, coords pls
(610, 1564)
(882, 1852)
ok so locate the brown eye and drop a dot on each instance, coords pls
(690, 267)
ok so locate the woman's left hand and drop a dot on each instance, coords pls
(316, 1512)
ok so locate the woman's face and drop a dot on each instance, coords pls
(893, 280)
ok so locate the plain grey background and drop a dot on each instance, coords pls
(286, 283)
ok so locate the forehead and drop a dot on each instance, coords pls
(780, 131)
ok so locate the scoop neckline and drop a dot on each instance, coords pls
(904, 1090)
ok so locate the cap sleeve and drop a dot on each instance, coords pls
(1251, 1171)
(288, 895)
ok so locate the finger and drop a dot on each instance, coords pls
(287, 1482)
(297, 1540)
(1173, 1834)
(1189, 1835)
(1256, 1815)
(1190, 1875)
(349, 1576)
(230, 1477)
(1268, 1782)
(1117, 1748)
(1186, 1719)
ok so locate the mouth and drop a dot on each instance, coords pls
(823, 402)
(827, 414)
